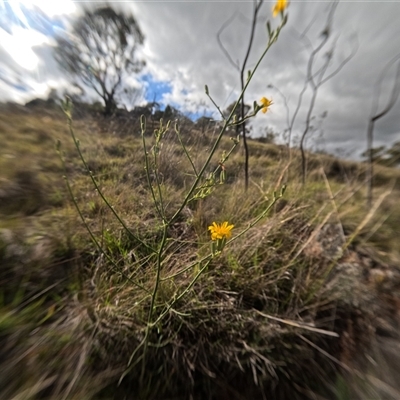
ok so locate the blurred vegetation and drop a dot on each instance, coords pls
(298, 307)
(385, 156)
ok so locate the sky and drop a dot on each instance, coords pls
(182, 55)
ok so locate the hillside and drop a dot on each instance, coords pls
(304, 303)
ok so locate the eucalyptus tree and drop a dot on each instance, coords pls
(100, 51)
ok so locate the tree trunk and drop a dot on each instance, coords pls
(109, 105)
(370, 171)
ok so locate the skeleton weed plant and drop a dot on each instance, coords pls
(202, 186)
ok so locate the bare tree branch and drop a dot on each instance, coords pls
(316, 79)
(221, 45)
(242, 69)
(375, 115)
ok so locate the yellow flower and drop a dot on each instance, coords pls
(279, 7)
(265, 104)
(220, 231)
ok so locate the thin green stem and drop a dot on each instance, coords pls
(261, 216)
(147, 169)
(225, 158)
(210, 185)
(154, 295)
(160, 195)
(187, 268)
(76, 143)
(188, 196)
(216, 105)
(185, 150)
(240, 122)
(191, 284)
(158, 273)
(115, 267)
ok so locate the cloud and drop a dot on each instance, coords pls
(182, 55)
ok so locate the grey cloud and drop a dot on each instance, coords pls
(181, 47)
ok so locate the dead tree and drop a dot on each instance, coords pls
(376, 115)
(241, 68)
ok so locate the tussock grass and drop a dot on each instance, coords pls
(288, 311)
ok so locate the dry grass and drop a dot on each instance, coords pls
(287, 311)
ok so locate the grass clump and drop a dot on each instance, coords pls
(114, 285)
(285, 310)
